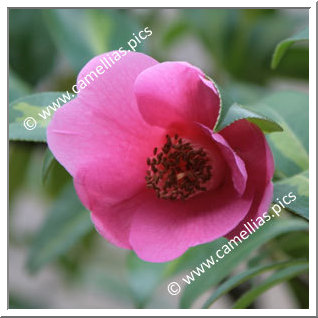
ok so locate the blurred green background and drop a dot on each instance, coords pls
(56, 258)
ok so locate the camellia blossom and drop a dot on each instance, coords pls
(141, 145)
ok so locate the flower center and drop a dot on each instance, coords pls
(178, 171)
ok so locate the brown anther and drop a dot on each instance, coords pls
(178, 171)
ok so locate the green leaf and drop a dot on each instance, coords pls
(231, 111)
(190, 258)
(237, 112)
(174, 33)
(245, 93)
(98, 31)
(103, 278)
(32, 54)
(300, 291)
(283, 46)
(48, 163)
(226, 102)
(56, 179)
(299, 248)
(34, 106)
(17, 87)
(19, 158)
(144, 277)
(222, 269)
(277, 278)
(241, 41)
(245, 276)
(290, 147)
(65, 225)
(299, 185)
(295, 64)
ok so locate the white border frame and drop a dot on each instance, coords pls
(312, 165)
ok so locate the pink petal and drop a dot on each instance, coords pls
(239, 174)
(104, 113)
(104, 183)
(236, 164)
(113, 222)
(260, 205)
(100, 137)
(173, 92)
(162, 230)
(248, 141)
(266, 200)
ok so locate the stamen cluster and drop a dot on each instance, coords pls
(178, 171)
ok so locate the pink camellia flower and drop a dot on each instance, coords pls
(140, 144)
